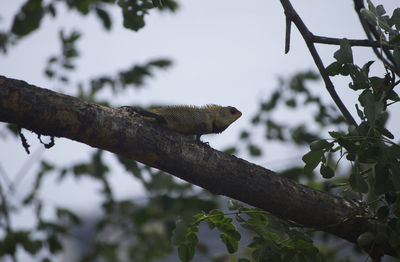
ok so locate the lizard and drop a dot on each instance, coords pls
(193, 120)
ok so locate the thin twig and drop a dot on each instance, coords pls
(353, 42)
(308, 38)
(287, 37)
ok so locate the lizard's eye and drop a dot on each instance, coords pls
(233, 110)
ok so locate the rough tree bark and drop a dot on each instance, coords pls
(116, 130)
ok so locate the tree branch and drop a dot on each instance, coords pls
(372, 34)
(129, 135)
(309, 39)
(353, 42)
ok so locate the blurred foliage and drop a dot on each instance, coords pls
(147, 229)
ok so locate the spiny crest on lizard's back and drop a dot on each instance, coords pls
(189, 107)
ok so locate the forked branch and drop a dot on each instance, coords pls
(309, 38)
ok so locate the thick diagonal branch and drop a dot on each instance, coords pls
(126, 134)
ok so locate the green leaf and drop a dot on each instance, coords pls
(104, 17)
(54, 244)
(385, 132)
(244, 135)
(230, 242)
(366, 67)
(396, 176)
(365, 239)
(390, 197)
(230, 150)
(334, 68)
(383, 213)
(319, 144)
(186, 251)
(372, 108)
(133, 13)
(396, 56)
(380, 10)
(395, 19)
(257, 218)
(28, 19)
(381, 238)
(359, 77)
(395, 40)
(291, 103)
(68, 214)
(312, 159)
(344, 55)
(369, 16)
(358, 183)
(254, 150)
(228, 232)
(348, 144)
(32, 246)
(335, 134)
(327, 171)
(184, 236)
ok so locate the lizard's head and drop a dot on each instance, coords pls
(226, 116)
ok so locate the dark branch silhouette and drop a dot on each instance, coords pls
(292, 15)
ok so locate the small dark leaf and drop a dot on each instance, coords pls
(320, 144)
(334, 134)
(54, 244)
(396, 56)
(312, 159)
(344, 55)
(32, 246)
(383, 213)
(396, 175)
(52, 10)
(390, 197)
(184, 236)
(366, 67)
(381, 238)
(385, 132)
(334, 68)
(395, 19)
(372, 109)
(348, 144)
(365, 239)
(104, 17)
(230, 150)
(291, 103)
(254, 150)
(28, 19)
(326, 171)
(358, 183)
(244, 135)
(369, 16)
(380, 10)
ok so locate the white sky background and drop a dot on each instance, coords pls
(225, 52)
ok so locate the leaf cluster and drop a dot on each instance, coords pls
(32, 12)
(271, 239)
